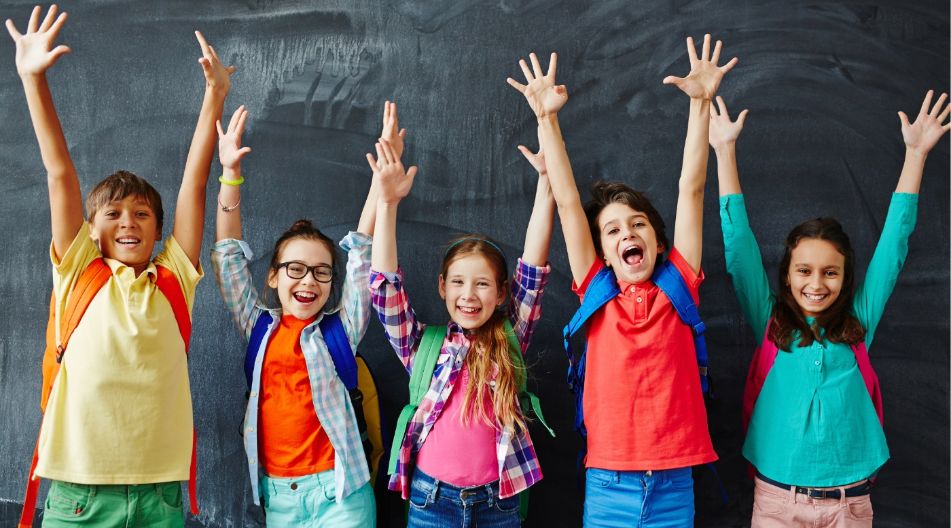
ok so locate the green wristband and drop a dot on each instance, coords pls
(235, 183)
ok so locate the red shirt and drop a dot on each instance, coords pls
(291, 440)
(643, 405)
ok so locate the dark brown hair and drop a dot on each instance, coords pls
(604, 193)
(837, 320)
(490, 346)
(304, 229)
(118, 186)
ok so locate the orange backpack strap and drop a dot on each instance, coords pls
(168, 284)
(90, 281)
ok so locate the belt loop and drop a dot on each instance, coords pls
(92, 491)
(617, 477)
(490, 494)
(792, 493)
(434, 493)
(842, 503)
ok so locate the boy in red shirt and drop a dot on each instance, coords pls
(646, 432)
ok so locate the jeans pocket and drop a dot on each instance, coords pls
(419, 495)
(601, 478)
(860, 508)
(767, 503)
(681, 479)
(66, 500)
(170, 495)
(509, 505)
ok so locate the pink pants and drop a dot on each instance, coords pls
(775, 507)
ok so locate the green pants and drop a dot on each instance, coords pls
(142, 505)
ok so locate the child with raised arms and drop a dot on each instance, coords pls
(466, 452)
(305, 456)
(812, 402)
(117, 435)
(643, 405)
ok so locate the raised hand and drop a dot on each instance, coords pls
(392, 180)
(35, 52)
(217, 76)
(230, 151)
(543, 95)
(392, 133)
(922, 135)
(722, 130)
(705, 76)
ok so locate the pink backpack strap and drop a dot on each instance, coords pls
(763, 358)
(870, 378)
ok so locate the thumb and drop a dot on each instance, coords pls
(670, 79)
(525, 152)
(411, 174)
(221, 132)
(904, 119)
(59, 51)
(231, 69)
(740, 119)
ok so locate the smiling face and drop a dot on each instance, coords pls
(815, 276)
(472, 290)
(126, 230)
(628, 242)
(305, 297)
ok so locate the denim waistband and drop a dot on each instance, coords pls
(302, 484)
(436, 488)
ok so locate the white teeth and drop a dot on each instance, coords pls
(128, 240)
(468, 310)
(305, 296)
(814, 296)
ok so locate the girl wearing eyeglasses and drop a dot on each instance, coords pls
(301, 437)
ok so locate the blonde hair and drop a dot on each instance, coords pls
(490, 345)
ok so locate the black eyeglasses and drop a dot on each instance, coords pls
(298, 270)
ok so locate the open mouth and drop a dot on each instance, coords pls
(469, 310)
(815, 297)
(632, 255)
(128, 241)
(305, 297)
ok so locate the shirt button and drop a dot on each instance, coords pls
(818, 363)
(639, 299)
(293, 485)
(251, 461)
(633, 289)
(254, 394)
(249, 429)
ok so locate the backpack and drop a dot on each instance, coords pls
(602, 289)
(90, 281)
(424, 365)
(353, 371)
(765, 356)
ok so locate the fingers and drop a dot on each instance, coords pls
(48, 20)
(938, 105)
(380, 155)
(926, 103)
(12, 30)
(237, 120)
(944, 115)
(402, 133)
(515, 84)
(536, 66)
(552, 65)
(34, 23)
(691, 52)
(411, 173)
(231, 69)
(394, 115)
(372, 162)
(203, 43)
(729, 66)
(221, 132)
(386, 113)
(716, 52)
(670, 79)
(705, 53)
(388, 152)
(214, 53)
(59, 51)
(58, 25)
(525, 71)
(904, 119)
(243, 151)
(722, 106)
(740, 119)
(526, 152)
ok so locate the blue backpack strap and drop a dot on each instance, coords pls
(254, 344)
(339, 346)
(667, 277)
(603, 288)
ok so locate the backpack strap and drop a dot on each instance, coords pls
(335, 335)
(870, 378)
(424, 365)
(603, 288)
(254, 344)
(668, 278)
(529, 399)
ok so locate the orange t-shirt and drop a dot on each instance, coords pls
(291, 440)
(643, 405)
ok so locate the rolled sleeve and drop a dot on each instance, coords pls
(528, 285)
(393, 308)
(355, 297)
(230, 259)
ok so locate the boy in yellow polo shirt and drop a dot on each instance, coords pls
(116, 438)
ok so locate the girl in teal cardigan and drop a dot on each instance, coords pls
(814, 436)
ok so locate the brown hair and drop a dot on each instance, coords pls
(604, 193)
(304, 229)
(118, 186)
(839, 323)
(490, 345)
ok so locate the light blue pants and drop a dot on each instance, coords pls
(310, 502)
(638, 499)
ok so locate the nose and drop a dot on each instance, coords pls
(127, 219)
(468, 292)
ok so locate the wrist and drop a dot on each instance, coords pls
(548, 119)
(725, 147)
(231, 173)
(32, 78)
(915, 154)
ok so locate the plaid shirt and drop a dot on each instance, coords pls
(230, 259)
(518, 463)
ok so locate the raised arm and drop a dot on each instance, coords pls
(34, 55)
(546, 99)
(393, 184)
(723, 136)
(390, 133)
(541, 223)
(920, 137)
(230, 154)
(190, 207)
(701, 85)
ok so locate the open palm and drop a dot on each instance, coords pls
(924, 133)
(393, 181)
(704, 78)
(543, 95)
(35, 52)
(722, 130)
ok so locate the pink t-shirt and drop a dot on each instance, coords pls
(461, 455)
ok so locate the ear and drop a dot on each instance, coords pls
(272, 278)
(501, 295)
(442, 287)
(661, 248)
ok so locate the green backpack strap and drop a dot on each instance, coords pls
(528, 398)
(424, 364)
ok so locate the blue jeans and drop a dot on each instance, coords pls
(641, 499)
(435, 504)
(310, 502)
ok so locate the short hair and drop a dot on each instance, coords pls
(605, 193)
(118, 186)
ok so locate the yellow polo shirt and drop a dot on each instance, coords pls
(120, 411)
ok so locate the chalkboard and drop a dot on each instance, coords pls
(823, 82)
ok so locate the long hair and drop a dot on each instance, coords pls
(490, 345)
(839, 323)
(303, 229)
